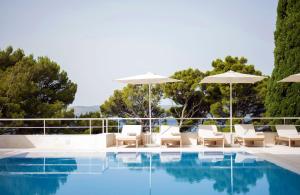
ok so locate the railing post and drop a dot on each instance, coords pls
(118, 125)
(106, 125)
(90, 123)
(284, 120)
(44, 127)
(102, 125)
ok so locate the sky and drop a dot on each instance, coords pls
(99, 41)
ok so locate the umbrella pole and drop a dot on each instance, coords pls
(230, 113)
(150, 125)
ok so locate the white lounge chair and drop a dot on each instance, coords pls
(169, 134)
(209, 133)
(246, 133)
(287, 133)
(130, 134)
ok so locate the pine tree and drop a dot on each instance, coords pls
(283, 99)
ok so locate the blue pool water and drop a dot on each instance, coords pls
(146, 173)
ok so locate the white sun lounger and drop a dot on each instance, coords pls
(287, 133)
(209, 133)
(130, 134)
(169, 134)
(246, 133)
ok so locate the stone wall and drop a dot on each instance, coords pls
(57, 141)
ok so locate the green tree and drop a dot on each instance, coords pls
(132, 101)
(33, 88)
(248, 99)
(96, 124)
(283, 99)
(188, 96)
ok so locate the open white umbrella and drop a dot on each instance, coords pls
(292, 78)
(232, 77)
(149, 79)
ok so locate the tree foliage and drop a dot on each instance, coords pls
(96, 124)
(283, 99)
(132, 101)
(192, 99)
(188, 96)
(33, 88)
(248, 99)
(201, 100)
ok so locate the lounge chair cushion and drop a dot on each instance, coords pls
(288, 131)
(137, 129)
(130, 132)
(169, 132)
(165, 137)
(247, 131)
(127, 137)
(209, 132)
(291, 137)
(252, 137)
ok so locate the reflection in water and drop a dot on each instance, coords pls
(167, 157)
(228, 173)
(129, 157)
(34, 175)
(283, 182)
(193, 169)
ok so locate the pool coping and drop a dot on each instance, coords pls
(287, 158)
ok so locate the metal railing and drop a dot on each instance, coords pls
(105, 125)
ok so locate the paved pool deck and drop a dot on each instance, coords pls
(283, 156)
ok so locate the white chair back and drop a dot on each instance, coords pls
(207, 130)
(168, 130)
(134, 129)
(244, 130)
(286, 130)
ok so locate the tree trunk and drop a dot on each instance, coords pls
(182, 114)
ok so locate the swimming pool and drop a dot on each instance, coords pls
(146, 173)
